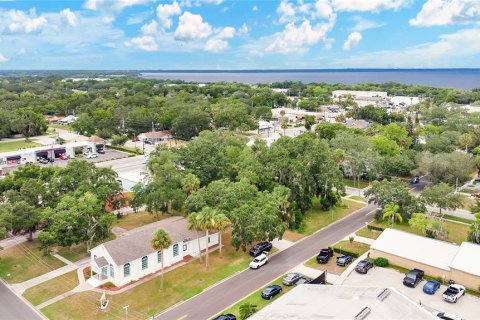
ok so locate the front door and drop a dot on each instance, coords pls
(104, 271)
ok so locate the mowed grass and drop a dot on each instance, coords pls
(146, 299)
(134, 220)
(330, 266)
(367, 233)
(25, 261)
(74, 253)
(51, 288)
(354, 247)
(256, 299)
(315, 219)
(457, 232)
(17, 145)
(358, 198)
(358, 184)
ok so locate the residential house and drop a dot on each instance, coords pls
(155, 136)
(68, 120)
(131, 256)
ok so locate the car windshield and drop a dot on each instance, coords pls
(290, 276)
(430, 285)
(411, 275)
(324, 251)
(453, 289)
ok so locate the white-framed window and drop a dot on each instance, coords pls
(112, 272)
(175, 250)
(144, 263)
(159, 256)
(185, 246)
(126, 269)
(208, 239)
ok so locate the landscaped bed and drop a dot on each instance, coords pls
(51, 288)
(25, 261)
(316, 219)
(146, 299)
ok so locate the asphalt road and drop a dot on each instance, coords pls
(13, 308)
(213, 301)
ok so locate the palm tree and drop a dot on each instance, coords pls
(161, 241)
(284, 125)
(221, 224)
(207, 222)
(466, 139)
(190, 183)
(194, 224)
(247, 309)
(391, 212)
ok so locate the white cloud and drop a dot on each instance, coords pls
(323, 9)
(150, 28)
(296, 39)
(243, 29)
(3, 58)
(19, 22)
(166, 11)
(451, 50)
(145, 43)
(192, 27)
(226, 33)
(352, 41)
(362, 24)
(369, 5)
(441, 12)
(286, 11)
(216, 45)
(69, 17)
(254, 8)
(108, 19)
(198, 3)
(112, 5)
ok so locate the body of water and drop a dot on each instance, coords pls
(465, 79)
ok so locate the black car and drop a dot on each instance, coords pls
(415, 180)
(227, 316)
(413, 278)
(324, 255)
(271, 291)
(260, 247)
(344, 260)
(303, 280)
(363, 266)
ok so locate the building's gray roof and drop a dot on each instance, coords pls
(357, 124)
(313, 301)
(136, 243)
(101, 262)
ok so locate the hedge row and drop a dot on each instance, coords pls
(370, 227)
(125, 149)
(345, 252)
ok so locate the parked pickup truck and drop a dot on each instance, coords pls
(453, 292)
(413, 278)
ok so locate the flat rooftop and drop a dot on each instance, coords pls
(312, 301)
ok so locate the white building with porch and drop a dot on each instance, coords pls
(131, 257)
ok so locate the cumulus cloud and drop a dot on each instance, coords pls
(108, 19)
(150, 28)
(20, 22)
(451, 50)
(352, 41)
(216, 45)
(323, 9)
(243, 29)
(441, 12)
(69, 17)
(192, 27)
(145, 43)
(295, 39)
(286, 12)
(166, 11)
(369, 5)
(3, 58)
(112, 5)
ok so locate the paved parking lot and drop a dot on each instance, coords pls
(467, 307)
(108, 155)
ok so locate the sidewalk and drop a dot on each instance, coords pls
(13, 241)
(461, 213)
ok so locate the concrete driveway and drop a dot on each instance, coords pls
(467, 307)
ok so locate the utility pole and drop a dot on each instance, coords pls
(123, 125)
(126, 312)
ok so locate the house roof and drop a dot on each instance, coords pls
(101, 262)
(357, 124)
(416, 248)
(136, 243)
(467, 259)
(96, 139)
(156, 134)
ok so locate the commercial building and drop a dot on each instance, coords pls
(437, 258)
(155, 136)
(312, 301)
(131, 257)
(362, 98)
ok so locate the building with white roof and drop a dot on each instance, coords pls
(437, 258)
(313, 301)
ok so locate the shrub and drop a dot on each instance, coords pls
(370, 227)
(381, 262)
(351, 238)
(346, 252)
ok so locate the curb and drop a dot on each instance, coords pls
(24, 300)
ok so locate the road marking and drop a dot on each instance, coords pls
(182, 317)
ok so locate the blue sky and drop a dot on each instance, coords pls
(221, 34)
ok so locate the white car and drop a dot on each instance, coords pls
(91, 155)
(259, 261)
(446, 316)
(453, 293)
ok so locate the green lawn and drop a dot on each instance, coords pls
(74, 253)
(134, 220)
(330, 266)
(51, 288)
(25, 261)
(367, 233)
(455, 218)
(61, 126)
(17, 145)
(358, 198)
(256, 299)
(180, 284)
(457, 232)
(467, 203)
(315, 219)
(349, 182)
(354, 247)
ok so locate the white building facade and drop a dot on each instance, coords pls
(130, 257)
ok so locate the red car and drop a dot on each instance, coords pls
(63, 156)
(135, 140)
